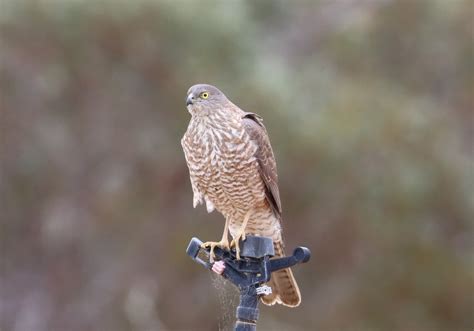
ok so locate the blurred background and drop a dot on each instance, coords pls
(369, 106)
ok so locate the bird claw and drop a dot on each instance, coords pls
(224, 244)
(235, 243)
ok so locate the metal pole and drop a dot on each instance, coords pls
(247, 311)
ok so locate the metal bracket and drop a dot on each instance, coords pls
(264, 290)
(249, 273)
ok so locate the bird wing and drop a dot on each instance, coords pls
(254, 127)
(197, 194)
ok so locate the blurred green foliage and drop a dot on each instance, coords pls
(369, 105)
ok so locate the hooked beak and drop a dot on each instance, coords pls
(189, 99)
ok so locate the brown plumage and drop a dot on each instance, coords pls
(232, 169)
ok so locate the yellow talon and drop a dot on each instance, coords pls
(235, 243)
(224, 244)
(240, 235)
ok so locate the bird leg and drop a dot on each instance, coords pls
(240, 235)
(224, 243)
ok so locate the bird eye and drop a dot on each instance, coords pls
(204, 95)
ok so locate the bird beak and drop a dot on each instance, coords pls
(189, 100)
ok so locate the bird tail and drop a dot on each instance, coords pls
(285, 291)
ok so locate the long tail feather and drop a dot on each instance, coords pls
(285, 290)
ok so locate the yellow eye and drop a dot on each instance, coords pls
(204, 95)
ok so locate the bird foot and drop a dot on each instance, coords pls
(224, 244)
(235, 243)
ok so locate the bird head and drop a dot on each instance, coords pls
(202, 98)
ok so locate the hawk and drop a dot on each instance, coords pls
(233, 170)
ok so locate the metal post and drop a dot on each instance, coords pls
(247, 311)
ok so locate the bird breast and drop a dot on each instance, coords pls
(223, 165)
